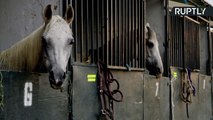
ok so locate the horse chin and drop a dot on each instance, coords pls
(158, 75)
(54, 86)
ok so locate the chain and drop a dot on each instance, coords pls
(1, 92)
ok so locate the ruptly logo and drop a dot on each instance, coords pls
(192, 11)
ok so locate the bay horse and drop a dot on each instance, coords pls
(48, 47)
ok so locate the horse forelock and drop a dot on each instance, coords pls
(56, 22)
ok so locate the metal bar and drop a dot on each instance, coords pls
(124, 68)
(75, 32)
(182, 41)
(127, 32)
(114, 25)
(167, 37)
(105, 23)
(87, 32)
(118, 33)
(123, 32)
(142, 31)
(178, 45)
(172, 42)
(175, 41)
(103, 29)
(142, 18)
(64, 8)
(107, 32)
(92, 32)
(137, 33)
(210, 48)
(203, 19)
(183, 45)
(198, 46)
(82, 31)
(98, 29)
(130, 30)
(134, 33)
(111, 33)
(144, 41)
(191, 19)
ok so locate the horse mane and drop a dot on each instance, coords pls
(25, 55)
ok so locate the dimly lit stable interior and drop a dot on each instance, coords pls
(113, 32)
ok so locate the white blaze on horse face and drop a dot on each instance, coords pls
(59, 39)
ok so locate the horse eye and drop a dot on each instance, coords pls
(150, 44)
(44, 42)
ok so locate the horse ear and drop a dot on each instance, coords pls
(47, 13)
(69, 16)
(147, 27)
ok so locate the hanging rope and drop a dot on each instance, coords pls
(106, 94)
(187, 89)
(1, 92)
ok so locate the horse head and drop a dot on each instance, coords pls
(57, 40)
(153, 59)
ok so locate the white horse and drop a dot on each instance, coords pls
(153, 59)
(47, 47)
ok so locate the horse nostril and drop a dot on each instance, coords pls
(72, 41)
(51, 75)
(64, 76)
(158, 70)
(59, 83)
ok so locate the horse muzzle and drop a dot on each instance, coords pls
(56, 79)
